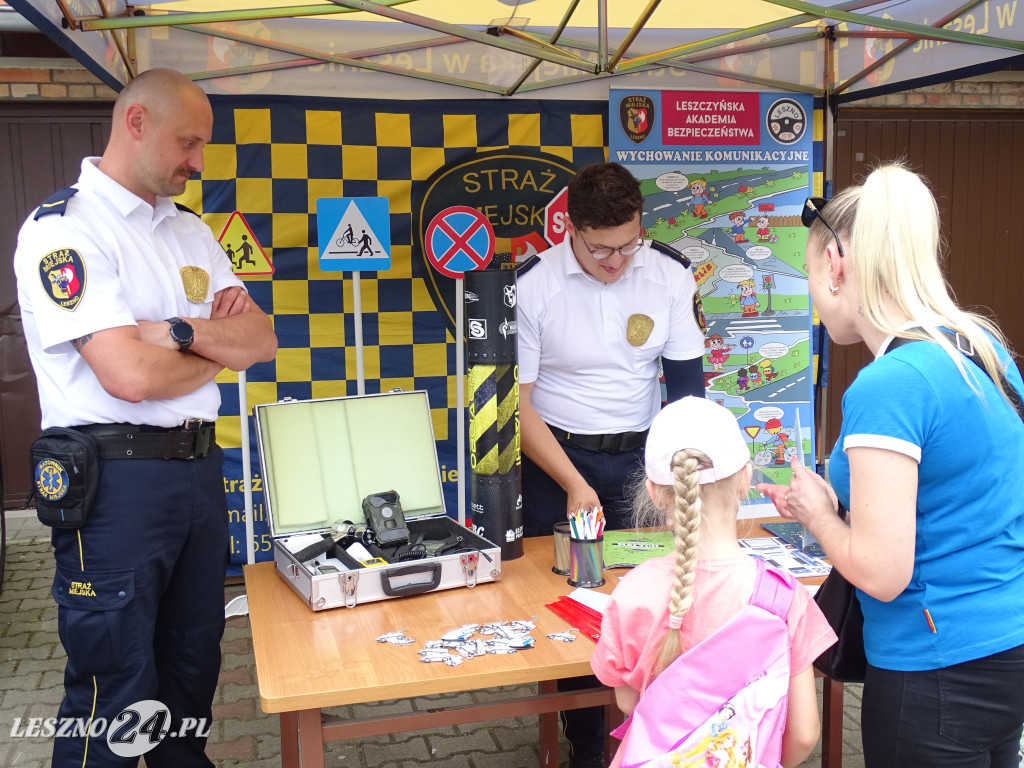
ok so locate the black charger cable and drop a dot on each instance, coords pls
(350, 533)
(316, 549)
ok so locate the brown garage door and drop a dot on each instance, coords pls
(975, 163)
(41, 147)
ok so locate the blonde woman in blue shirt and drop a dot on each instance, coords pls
(934, 541)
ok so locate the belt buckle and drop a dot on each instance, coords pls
(610, 443)
(182, 443)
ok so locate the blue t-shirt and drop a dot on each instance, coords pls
(969, 546)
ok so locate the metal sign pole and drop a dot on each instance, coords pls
(460, 399)
(337, 220)
(243, 432)
(357, 321)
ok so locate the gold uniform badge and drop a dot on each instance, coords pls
(196, 282)
(638, 329)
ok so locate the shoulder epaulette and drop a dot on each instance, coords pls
(527, 265)
(671, 252)
(186, 209)
(55, 203)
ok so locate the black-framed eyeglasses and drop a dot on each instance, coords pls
(813, 206)
(604, 253)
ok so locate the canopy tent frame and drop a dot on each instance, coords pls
(830, 24)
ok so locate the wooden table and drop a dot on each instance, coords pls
(306, 661)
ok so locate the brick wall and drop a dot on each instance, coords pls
(39, 80)
(1001, 90)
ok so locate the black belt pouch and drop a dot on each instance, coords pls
(65, 476)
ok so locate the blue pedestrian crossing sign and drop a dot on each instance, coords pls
(353, 234)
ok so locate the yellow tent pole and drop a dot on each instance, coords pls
(921, 30)
(631, 36)
(210, 17)
(527, 49)
(553, 39)
(308, 55)
(741, 49)
(741, 34)
(899, 48)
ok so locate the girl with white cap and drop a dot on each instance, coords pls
(698, 471)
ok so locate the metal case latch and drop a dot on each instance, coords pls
(469, 564)
(349, 587)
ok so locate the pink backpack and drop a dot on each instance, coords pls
(722, 702)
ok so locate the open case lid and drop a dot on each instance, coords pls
(321, 458)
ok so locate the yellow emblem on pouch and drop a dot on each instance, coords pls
(196, 282)
(51, 480)
(638, 329)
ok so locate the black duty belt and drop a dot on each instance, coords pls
(617, 442)
(192, 440)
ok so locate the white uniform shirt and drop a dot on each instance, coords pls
(586, 376)
(123, 258)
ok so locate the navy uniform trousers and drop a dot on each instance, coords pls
(611, 475)
(140, 594)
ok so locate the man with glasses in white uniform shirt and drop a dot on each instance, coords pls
(595, 314)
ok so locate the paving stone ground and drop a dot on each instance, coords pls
(32, 665)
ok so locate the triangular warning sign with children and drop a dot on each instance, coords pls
(242, 247)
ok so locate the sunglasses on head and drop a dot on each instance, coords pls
(813, 207)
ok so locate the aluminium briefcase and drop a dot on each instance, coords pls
(321, 458)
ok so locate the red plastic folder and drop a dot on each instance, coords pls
(586, 620)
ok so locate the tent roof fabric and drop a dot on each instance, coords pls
(536, 48)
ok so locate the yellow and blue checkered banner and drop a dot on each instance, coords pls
(271, 159)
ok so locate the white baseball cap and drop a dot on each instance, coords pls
(694, 422)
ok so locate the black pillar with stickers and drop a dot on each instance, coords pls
(496, 498)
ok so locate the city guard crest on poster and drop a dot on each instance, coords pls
(636, 114)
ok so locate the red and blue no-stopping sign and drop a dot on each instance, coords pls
(459, 240)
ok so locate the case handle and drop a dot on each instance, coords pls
(413, 588)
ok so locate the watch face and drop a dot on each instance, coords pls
(182, 332)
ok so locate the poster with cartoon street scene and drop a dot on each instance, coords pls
(724, 176)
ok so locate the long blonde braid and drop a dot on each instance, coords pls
(686, 526)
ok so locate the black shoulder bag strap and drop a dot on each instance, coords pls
(963, 344)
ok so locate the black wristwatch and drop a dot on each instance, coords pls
(182, 332)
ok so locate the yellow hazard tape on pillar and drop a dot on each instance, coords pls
(493, 419)
(483, 419)
(508, 417)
